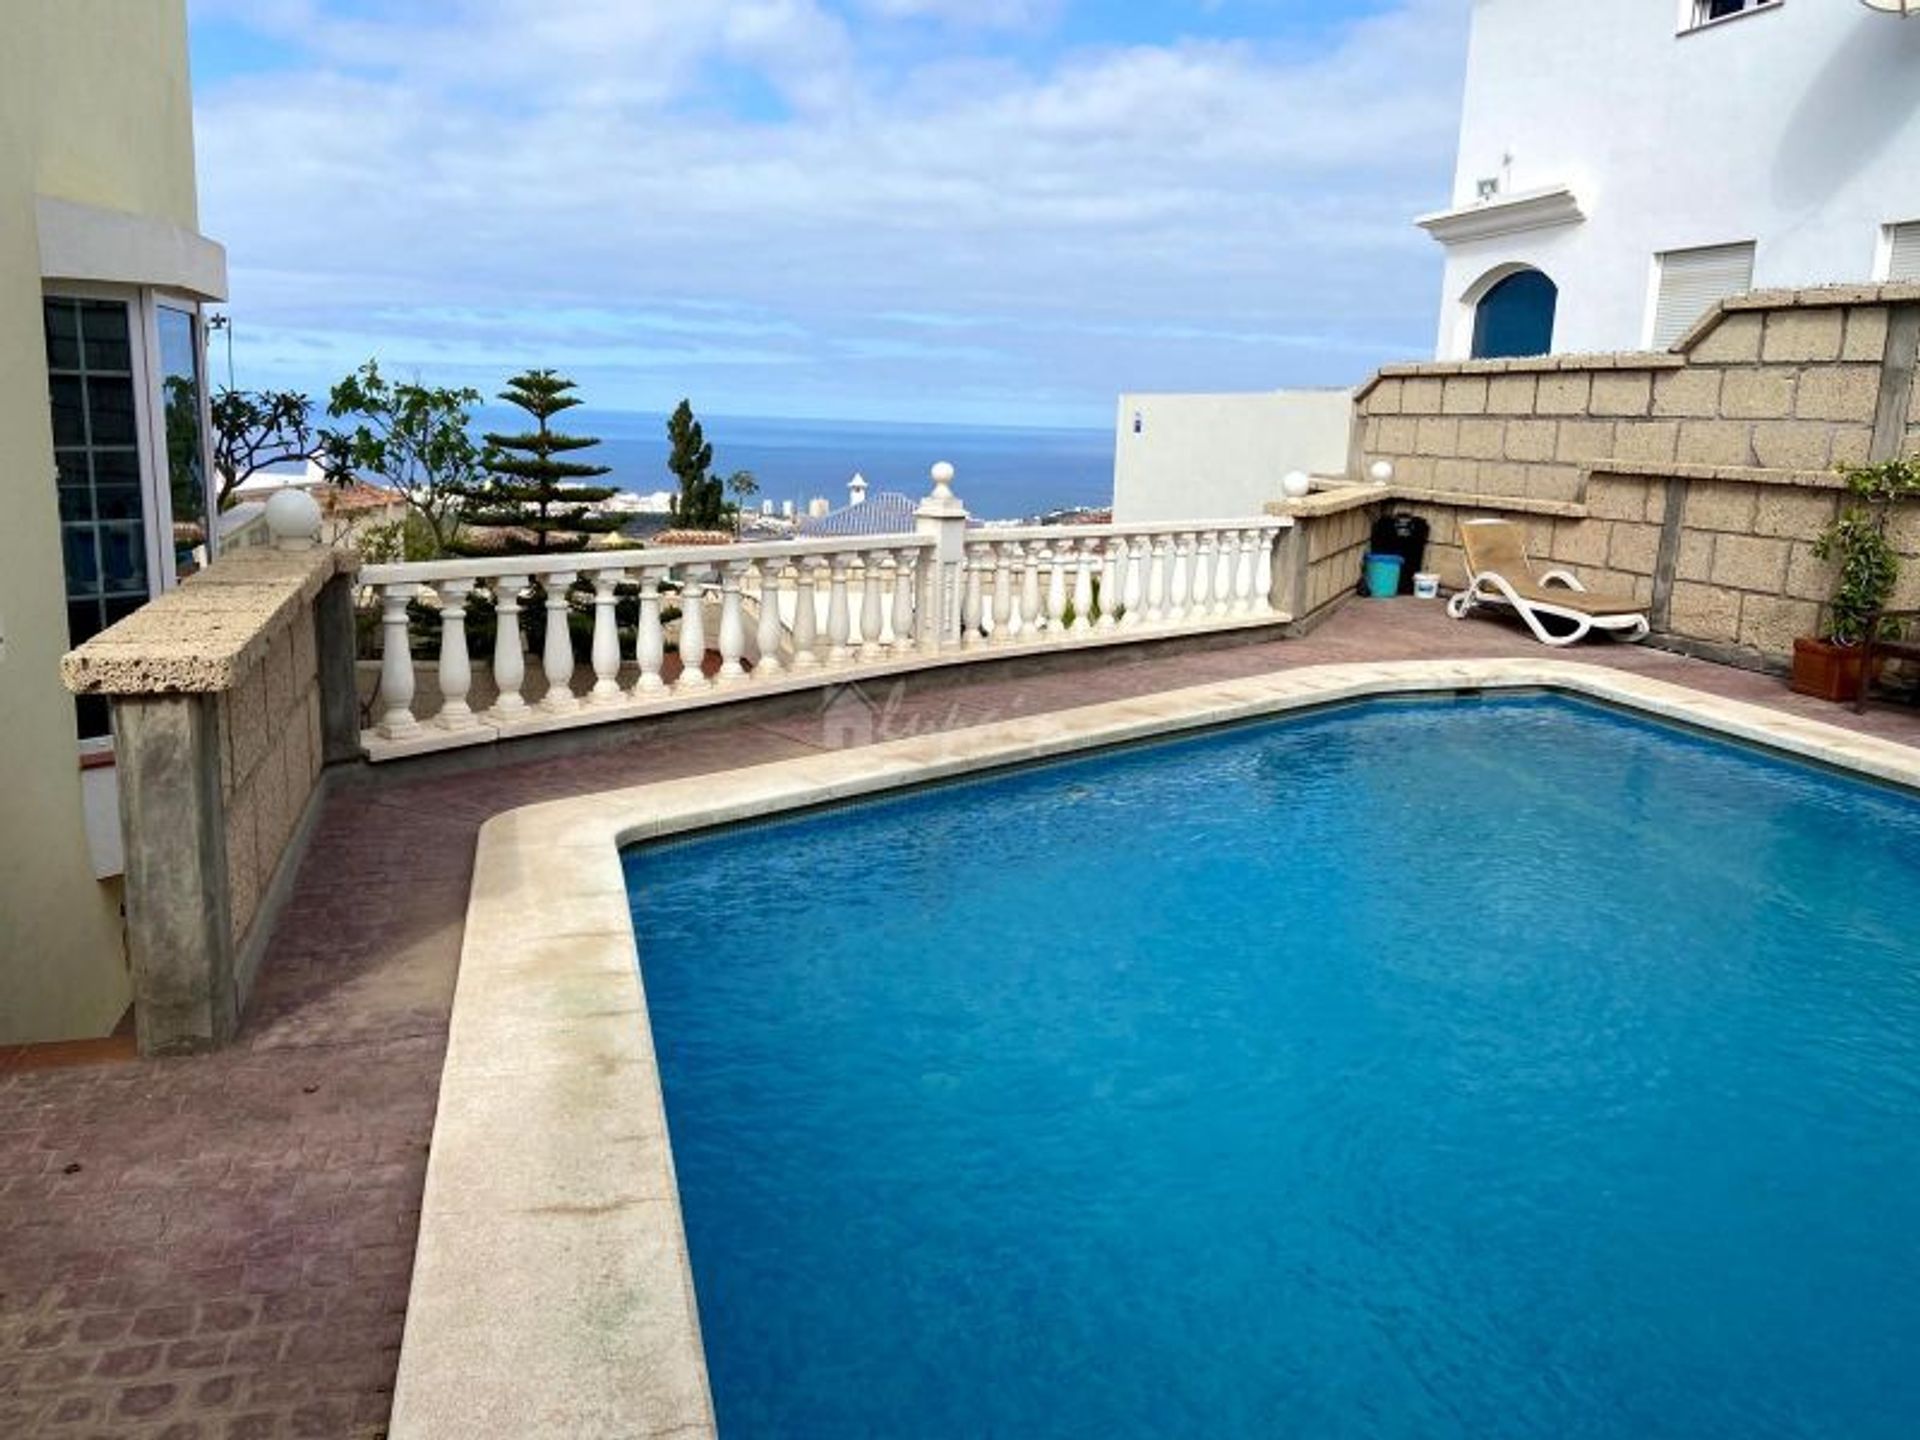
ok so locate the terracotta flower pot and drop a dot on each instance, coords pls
(1827, 671)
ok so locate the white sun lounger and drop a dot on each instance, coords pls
(1499, 573)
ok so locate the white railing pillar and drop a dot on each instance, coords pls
(806, 619)
(942, 516)
(1002, 594)
(396, 663)
(606, 638)
(902, 601)
(1080, 556)
(693, 633)
(767, 635)
(733, 625)
(839, 623)
(1032, 616)
(509, 649)
(872, 605)
(650, 639)
(1113, 585)
(970, 607)
(1159, 572)
(456, 669)
(556, 653)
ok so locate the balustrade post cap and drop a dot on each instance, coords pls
(942, 501)
(293, 518)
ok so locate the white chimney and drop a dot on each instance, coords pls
(857, 489)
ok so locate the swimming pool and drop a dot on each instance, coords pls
(1501, 1067)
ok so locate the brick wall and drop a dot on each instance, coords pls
(1695, 480)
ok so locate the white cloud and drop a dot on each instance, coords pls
(1176, 216)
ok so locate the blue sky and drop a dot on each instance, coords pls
(952, 211)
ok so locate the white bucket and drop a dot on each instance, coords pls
(1426, 586)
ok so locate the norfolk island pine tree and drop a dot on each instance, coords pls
(529, 486)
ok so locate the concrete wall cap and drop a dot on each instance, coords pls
(205, 635)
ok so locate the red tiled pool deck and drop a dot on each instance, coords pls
(220, 1247)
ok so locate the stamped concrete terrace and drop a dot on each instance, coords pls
(220, 1245)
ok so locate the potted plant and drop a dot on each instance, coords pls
(1829, 665)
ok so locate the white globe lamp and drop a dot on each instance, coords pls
(293, 518)
(1295, 483)
(1381, 472)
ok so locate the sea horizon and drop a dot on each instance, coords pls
(1001, 472)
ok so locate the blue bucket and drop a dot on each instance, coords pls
(1383, 576)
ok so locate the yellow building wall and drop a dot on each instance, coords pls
(95, 107)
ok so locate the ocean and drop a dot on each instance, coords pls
(1001, 473)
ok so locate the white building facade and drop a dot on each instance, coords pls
(1623, 166)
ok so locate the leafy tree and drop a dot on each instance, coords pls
(701, 503)
(743, 487)
(528, 484)
(255, 429)
(411, 438)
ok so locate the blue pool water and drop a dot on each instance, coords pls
(1483, 1068)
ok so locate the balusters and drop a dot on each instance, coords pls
(1133, 595)
(970, 605)
(1057, 555)
(1186, 548)
(650, 643)
(1159, 568)
(839, 624)
(1032, 617)
(556, 654)
(766, 637)
(806, 619)
(509, 650)
(733, 626)
(1080, 557)
(902, 601)
(1002, 594)
(456, 670)
(606, 638)
(1263, 572)
(693, 635)
(1243, 581)
(872, 606)
(396, 662)
(1227, 561)
(1113, 586)
(1200, 576)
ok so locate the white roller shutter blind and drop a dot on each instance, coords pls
(1692, 281)
(1903, 254)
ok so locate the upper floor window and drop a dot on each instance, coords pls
(1901, 252)
(1705, 12)
(1692, 282)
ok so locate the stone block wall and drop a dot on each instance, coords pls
(229, 696)
(270, 760)
(1695, 480)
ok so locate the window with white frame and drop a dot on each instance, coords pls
(1696, 13)
(129, 419)
(1688, 283)
(1902, 252)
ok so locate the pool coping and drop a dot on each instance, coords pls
(552, 1293)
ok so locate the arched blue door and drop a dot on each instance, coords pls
(1515, 317)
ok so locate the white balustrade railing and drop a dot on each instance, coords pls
(766, 617)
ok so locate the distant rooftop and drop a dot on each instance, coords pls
(888, 513)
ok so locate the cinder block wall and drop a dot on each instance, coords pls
(1695, 480)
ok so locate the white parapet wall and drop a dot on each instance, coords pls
(1183, 455)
